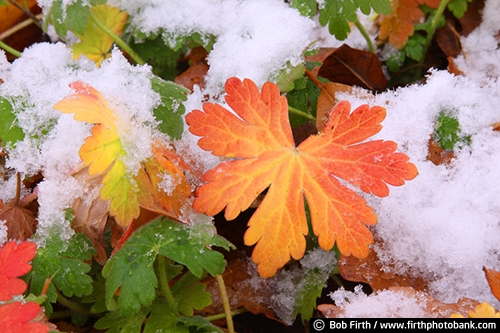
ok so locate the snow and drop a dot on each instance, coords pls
(443, 226)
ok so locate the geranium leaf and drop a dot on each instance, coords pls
(9, 131)
(131, 268)
(261, 141)
(14, 262)
(94, 42)
(190, 295)
(16, 317)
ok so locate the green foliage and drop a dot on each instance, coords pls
(9, 131)
(131, 268)
(458, 7)
(75, 17)
(3, 3)
(414, 48)
(307, 8)
(448, 134)
(303, 97)
(286, 77)
(63, 261)
(338, 14)
(171, 109)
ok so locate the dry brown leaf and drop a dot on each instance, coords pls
(369, 271)
(432, 307)
(91, 213)
(244, 290)
(354, 68)
(198, 68)
(327, 101)
(493, 278)
(437, 155)
(452, 67)
(20, 222)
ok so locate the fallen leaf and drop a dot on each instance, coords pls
(483, 310)
(493, 278)
(398, 25)
(14, 262)
(262, 141)
(198, 68)
(431, 307)
(16, 317)
(91, 213)
(20, 222)
(354, 68)
(94, 42)
(327, 101)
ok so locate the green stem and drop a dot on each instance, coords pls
(363, 31)
(165, 289)
(118, 40)
(301, 113)
(10, 49)
(223, 315)
(71, 305)
(225, 302)
(434, 24)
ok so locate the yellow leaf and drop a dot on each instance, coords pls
(95, 43)
(483, 310)
(101, 149)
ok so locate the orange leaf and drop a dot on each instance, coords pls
(493, 278)
(398, 25)
(261, 140)
(14, 262)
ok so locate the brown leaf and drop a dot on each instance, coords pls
(448, 40)
(327, 101)
(91, 213)
(355, 68)
(437, 155)
(472, 17)
(431, 307)
(322, 54)
(197, 70)
(493, 278)
(369, 271)
(20, 222)
(452, 67)
(244, 290)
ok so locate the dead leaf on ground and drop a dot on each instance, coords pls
(198, 68)
(355, 68)
(448, 40)
(472, 17)
(91, 212)
(493, 278)
(244, 290)
(452, 67)
(431, 307)
(369, 271)
(327, 101)
(20, 222)
(437, 155)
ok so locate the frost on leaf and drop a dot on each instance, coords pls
(266, 158)
(103, 154)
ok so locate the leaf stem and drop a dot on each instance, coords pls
(434, 24)
(71, 305)
(223, 315)
(165, 289)
(301, 113)
(225, 302)
(10, 49)
(118, 40)
(364, 33)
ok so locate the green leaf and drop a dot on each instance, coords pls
(190, 295)
(414, 48)
(131, 268)
(378, 6)
(286, 77)
(448, 132)
(3, 3)
(306, 8)
(77, 17)
(64, 261)
(162, 319)
(304, 98)
(458, 7)
(9, 131)
(337, 14)
(159, 56)
(171, 109)
(200, 324)
(116, 323)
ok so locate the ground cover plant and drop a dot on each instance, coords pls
(244, 166)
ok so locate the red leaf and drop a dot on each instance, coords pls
(15, 318)
(14, 262)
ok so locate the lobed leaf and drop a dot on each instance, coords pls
(9, 130)
(16, 317)
(131, 268)
(14, 262)
(266, 158)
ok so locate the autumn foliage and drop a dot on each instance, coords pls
(266, 158)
